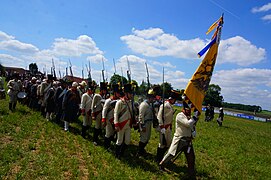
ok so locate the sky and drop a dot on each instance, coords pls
(163, 34)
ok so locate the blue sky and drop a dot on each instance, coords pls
(162, 33)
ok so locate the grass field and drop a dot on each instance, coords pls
(33, 148)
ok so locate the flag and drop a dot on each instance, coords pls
(214, 25)
(199, 83)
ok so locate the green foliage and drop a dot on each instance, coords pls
(168, 88)
(213, 96)
(33, 148)
(243, 107)
(118, 79)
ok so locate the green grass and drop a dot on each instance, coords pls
(32, 148)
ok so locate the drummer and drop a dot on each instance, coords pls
(13, 89)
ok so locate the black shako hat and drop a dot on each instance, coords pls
(128, 88)
(175, 95)
(103, 86)
(115, 88)
(50, 77)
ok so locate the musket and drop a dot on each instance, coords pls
(121, 77)
(132, 100)
(148, 77)
(54, 69)
(114, 66)
(164, 142)
(103, 70)
(59, 74)
(82, 71)
(129, 72)
(155, 120)
(71, 68)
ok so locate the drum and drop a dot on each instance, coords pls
(21, 95)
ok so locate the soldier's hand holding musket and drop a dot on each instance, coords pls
(117, 129)
(104, 122)
(83, 112)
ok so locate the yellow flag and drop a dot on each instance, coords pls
(214, 25)
(198, 84)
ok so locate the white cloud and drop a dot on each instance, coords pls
(267, 17)
(246, 86)
(97, 59)
(5, 37)
(75, 48)
(17, 46)
(8, 60)
(153, 42)
(239, 51)
(263, 8)
(164, 64)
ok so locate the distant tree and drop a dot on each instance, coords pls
(143, 88)
(33, 68)
(213, 96)
(244, 107)
(117, 79)
(168, 88)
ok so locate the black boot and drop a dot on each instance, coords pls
(10, 106)
(123, 148)
(141, 150)
(14, 106)
(95, 136)
(84, 129)
(107, 142)
(118, 151)
(160, 154)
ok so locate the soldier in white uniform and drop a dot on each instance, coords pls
(182, 140)
(45, 86)
(108, 115)
(123, 114)
(165, 118)
(145, 118)
(86, 103)
(13, 90)
(97, 107)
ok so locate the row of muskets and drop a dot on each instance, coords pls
(130, 81)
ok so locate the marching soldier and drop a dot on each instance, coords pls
(146, 116)
(13, 90)
(58, 98)
(97, 107)
(82, 88)
(70, 105)
(182, 140)
(108, 115)
(45, 86)
(165, 118)
(123, 114)
(86, 103)
(50, 102)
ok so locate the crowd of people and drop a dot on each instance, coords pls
(114, 110)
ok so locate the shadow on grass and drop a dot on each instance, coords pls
(182, 172)
(132, 160)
